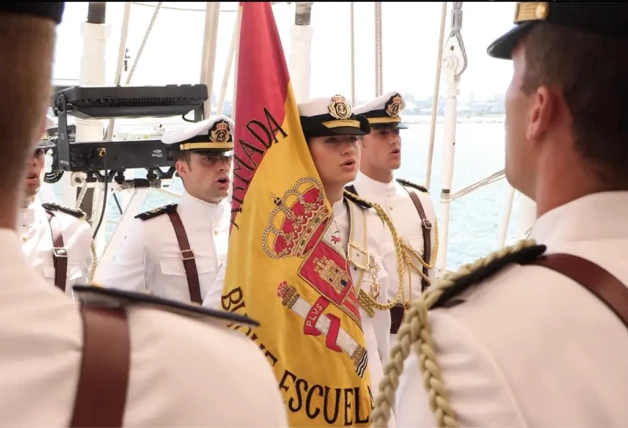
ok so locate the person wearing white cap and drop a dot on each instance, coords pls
(56, 239)
(332, 131)
(177, 250)
(408, 205)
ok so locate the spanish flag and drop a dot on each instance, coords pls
(280, 271)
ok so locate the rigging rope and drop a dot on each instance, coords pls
(379, 80)
(122, 50)
(208, 63)
(475, 186)
(435, 95)
(230, 59)
(352, 19)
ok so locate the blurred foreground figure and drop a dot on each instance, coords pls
(537, 334)
(116, 360)
(56, 240)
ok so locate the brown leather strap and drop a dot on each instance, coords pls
(606, 287)
(59, 253)
(188, 258)
(426, 225)
(103, 381)
(396, 317)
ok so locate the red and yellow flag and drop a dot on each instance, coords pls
(280, 271)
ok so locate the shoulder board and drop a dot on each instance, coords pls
(156, 212)
(356, 200)
(74, 212)
(411, 184)
(96, 296)
(525, 255)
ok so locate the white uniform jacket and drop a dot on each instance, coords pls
(150, 257)
(184, 372)
(529, 346)
(396, 202)
(36, 237)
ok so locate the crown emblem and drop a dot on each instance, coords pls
(339, 108)
(393, 105)
(220, 133)
(297, 220)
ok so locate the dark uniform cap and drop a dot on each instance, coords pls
(601, 17)
(213, 135)
(328, 117)
(383, 111)
(45, 141)
(44, 9)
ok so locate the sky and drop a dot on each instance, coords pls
(409, 36)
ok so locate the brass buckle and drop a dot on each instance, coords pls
(60, 252)
(366, 260)
(190, 255)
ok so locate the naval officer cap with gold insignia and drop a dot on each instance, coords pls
(328, 117)
(45, 142)
(601, 17)
(210, 136)
(383, 111)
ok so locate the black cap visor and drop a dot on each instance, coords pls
(502, 47)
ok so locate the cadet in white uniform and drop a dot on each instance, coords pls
(407, 204)
(176, 251)
(181, 371)
(521, 338)
(332, 131)
(56, 240)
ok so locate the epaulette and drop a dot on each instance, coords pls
(157, 212)
(97, 296)
(353, 197)
(411, 184)
(74, 212)
(525, 255)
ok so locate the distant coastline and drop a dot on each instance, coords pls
(422, 119)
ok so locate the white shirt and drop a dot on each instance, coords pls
(530, 347)
(398, 206)
(150, 257)
(184, 372)
(36, 238)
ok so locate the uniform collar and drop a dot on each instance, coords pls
(31, 213)
(202, 208)
(375, 187)
(338, 208)
(592, 217)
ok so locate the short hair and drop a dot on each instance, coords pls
(26, 50)
(184, 155)
(591, 70)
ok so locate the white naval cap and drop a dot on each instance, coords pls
(214, 134)
(383, 111)
(329, 116)
(44, 141)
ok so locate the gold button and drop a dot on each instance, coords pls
(215, 232)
